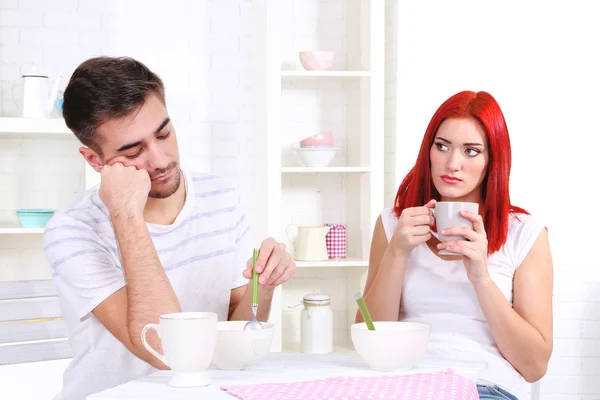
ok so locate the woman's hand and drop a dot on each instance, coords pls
(474, 250)
(413, 227)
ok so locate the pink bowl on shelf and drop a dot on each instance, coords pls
(323, 139)
(317, 60)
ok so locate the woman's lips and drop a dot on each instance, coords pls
(450, 179)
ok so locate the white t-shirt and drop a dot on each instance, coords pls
(438, 293)
(203, 253)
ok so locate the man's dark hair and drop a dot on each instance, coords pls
(106, 87)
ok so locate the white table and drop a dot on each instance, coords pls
(277, 367)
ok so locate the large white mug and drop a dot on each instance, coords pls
(188, 341)
(446, 214)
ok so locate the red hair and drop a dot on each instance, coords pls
(417, 187)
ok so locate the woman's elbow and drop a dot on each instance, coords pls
(535, 374)
(538, 369)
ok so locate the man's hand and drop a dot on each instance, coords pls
(274, 265)
(124, 189)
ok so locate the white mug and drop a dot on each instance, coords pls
(188, 341)
(446, 214)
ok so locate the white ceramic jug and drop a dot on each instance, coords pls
(38, 100)
(309, 242)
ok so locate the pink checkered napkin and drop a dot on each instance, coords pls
(443, 385)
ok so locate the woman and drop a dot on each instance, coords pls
(492, 301)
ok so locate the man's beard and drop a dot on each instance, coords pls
(170, 186)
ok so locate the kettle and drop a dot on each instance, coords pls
(37, 101)
(310, 244)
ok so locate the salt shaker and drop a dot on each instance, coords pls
(316, 324)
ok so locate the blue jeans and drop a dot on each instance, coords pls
(493, 392)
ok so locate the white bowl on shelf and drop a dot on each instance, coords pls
(316, 60)
(316, 156)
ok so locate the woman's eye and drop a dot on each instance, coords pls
(441, 146)
(472, 152)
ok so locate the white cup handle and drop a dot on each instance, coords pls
(437, 235)
(155, 353)
(12, 93)
(287, 232)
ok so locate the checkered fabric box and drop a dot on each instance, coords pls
(336, 241)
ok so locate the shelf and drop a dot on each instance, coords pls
(326, 74)
(21, 231)
(309, 170)
(19, 127)
(334, 263)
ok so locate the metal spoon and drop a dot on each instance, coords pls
(254, 324)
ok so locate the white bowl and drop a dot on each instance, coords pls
(316, 156)
(316, 60)
(238, 349)
(392, 346)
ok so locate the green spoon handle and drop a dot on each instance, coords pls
(364, 311)
(254, 277)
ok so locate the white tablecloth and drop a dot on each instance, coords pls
(277, 367)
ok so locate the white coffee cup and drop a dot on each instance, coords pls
(446, 214)
(188, 341)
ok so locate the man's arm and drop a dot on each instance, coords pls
(148, 293)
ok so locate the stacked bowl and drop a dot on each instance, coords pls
(317, 150)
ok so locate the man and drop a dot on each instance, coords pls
(151, 239)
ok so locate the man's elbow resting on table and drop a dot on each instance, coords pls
(140, 352)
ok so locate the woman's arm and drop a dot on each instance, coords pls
(387, 262)
(523, 332)
(384, 281)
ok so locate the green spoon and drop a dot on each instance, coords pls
(362, 306)
(254, 323)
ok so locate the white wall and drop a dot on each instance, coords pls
(391, 72)
(539, 59)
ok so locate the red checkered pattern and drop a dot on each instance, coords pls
(336, 241)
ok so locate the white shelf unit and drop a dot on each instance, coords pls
(32, 127)
(325, 74)
(351, 189)
(313, 170)
(28, 129)
(20, 231)
(334, 263)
